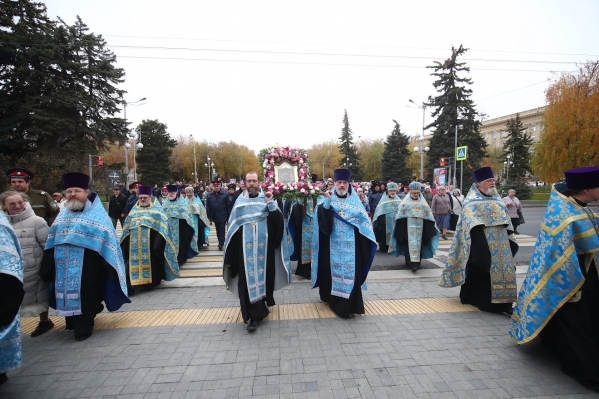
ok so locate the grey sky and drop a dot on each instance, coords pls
(238, 75)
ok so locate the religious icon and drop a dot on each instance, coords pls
(285, 173)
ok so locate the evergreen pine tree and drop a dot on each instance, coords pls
(395, 156)
(349, 151)
(153, 160)
(517, 146)
(453, 107)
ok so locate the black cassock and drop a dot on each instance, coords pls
(256, 311)
(379, 226)
(401, 235)
(185, 236)
(573, 332)
(343, 307)
(97, 279)
(11, 296)
(476, 290)
(156, 258)
(201, 236)
(297, 218)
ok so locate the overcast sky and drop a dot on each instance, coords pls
(265, 72)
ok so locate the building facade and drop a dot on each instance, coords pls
(495, 132)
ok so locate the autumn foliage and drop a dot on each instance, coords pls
(571, 124)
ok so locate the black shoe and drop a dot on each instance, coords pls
(508, 313)
(42, 327)
(83, 337)
(414, 269)
(3, 378)
(516, 232)
(252, 325)
(444, 237)
(220, 247)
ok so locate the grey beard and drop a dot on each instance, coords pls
(341, 192)
(414, 198)
(252, 191)
(491, 192)
(75, 205)
(144, 204)
(172, 199)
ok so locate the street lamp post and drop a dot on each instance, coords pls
(422, 149)
(127, 145)
(195, 165)
(209, 165)
(323, 161)
(507, 164)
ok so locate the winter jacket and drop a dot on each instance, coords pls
(217, 206)
(441, 204)
(513, 204)
(373, 199)
(116, 206)
(32, 232)
(458, 201)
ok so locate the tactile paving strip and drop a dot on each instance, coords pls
(296, 311)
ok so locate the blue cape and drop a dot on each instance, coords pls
(554, 274)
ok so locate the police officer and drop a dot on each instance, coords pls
(42, 203)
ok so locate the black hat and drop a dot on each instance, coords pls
(582, 178)
(19, 173)
(75, 179)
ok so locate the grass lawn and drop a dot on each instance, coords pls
(540, 196)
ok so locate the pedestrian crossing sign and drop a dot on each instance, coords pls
(461, 153)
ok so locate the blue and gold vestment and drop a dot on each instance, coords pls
(250, 216)
(491, 212)
(138, 226)
(554, 275)
(416, 212)
(348, 213)
(179, 209)
(70, 235)
(387, 206)
(11, 263)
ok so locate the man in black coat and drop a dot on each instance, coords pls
(116, 206)
(217, 209)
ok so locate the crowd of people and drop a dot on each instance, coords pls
(66, 255)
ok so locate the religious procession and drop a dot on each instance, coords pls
(63, 256)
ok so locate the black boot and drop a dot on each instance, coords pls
(3, 378)
(42, 327)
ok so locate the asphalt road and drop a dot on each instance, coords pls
(533, 217)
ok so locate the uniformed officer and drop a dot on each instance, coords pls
(42, 203)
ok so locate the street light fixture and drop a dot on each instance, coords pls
(127, 145)
(209, 165)
(425, 149)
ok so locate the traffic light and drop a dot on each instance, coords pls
(451, 161)
(443, 161)
(99, 161)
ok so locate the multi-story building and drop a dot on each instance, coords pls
(495, 132)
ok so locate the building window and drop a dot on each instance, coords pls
(504, 133)
(533, 127)
(494, 135)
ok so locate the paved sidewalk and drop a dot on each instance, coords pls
(434, 355)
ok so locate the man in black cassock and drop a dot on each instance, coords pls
(343, 248)
(559, 297)
(481, 255)
(256, 262)
(83, 259)
(181, 225)
(148, 251)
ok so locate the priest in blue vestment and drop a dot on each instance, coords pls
(300, 228)
(148, 250)
(343, 247)
(181, 225)
(83, 258)
(11, 296)
(559, 298)
(415, 234)
(384, 216)
(256, 258)
(481, 254)
(199, 217)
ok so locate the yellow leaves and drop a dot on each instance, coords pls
(571, 124)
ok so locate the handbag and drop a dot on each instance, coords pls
(522, 221)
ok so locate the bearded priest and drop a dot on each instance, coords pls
(181, 226)
(149, 253)
(343, 247)
(83, 259)
(384, 216)
(481, 254)
(256, 258)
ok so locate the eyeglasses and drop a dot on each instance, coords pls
(74, 192)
